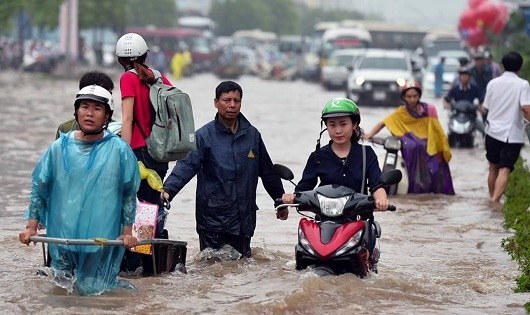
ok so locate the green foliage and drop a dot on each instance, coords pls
(279, 16)
(514, 38)
(517, 217)
(8, 8)
(162, 13)
(112, 14)
(284, 15)
(44, 13)
(233, 15)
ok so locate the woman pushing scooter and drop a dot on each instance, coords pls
(425, 146)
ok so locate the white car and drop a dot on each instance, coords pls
(379, 76)
(335, 73)
(449, 77)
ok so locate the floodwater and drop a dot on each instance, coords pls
(439, 254)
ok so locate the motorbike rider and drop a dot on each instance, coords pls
(425, 149)
(465, 90)
(340, 161)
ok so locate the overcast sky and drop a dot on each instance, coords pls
(420, 12)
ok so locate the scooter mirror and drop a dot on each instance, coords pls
(283, 171)
(390, 177)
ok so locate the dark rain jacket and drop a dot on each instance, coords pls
(327, 168)
(227, 166)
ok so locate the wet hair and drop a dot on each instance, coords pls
(138, 64)
(97, 78)
(512, 61)
(227, 87)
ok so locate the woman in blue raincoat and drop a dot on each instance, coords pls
(84, 187)
(439, 70)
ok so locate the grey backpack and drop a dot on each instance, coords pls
(173, 129)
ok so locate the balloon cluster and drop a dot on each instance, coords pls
(480, 17)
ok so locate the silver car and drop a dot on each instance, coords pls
(379, 76)
(334, 75)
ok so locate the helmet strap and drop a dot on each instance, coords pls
(90, 133)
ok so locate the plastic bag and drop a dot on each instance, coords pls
(152, 177)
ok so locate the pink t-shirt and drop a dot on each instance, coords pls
(431, 111)
(131, 86)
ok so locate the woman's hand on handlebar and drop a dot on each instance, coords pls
(288, 198)
(381, 204)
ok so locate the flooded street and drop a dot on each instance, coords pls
(439, 254)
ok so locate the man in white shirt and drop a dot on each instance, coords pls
(507, 103)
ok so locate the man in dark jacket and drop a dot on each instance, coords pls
(229, 158)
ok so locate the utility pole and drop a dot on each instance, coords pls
(69, 30)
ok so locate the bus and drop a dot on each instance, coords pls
(169, 39)
(321, 27)
(438, 40)
(344, 38)
(202, 23)
(254, 38)
(390, 35)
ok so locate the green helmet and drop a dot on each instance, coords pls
(341, 106)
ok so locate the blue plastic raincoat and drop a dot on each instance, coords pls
(85, 190)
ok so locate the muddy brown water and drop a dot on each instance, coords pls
(439, 254)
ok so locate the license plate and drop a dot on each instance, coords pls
(379, 95)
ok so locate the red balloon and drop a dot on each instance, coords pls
(501, 19)
(475, 3)
(476, 37)
(468, 19)
(486, 14)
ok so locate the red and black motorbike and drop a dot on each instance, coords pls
(341, 235)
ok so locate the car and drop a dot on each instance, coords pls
(334, 75)
(449, 77)
(379, 76)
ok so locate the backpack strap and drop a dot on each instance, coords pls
(364, 169)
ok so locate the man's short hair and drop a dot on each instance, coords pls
(97, 78)
(512, 61)
(227, 87)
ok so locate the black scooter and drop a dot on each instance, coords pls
(393, 160)
(462, 124)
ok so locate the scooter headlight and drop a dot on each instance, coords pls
(332, 207)
(304, 243)
(351, 243)
(460, 128)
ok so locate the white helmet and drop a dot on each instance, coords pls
(95, 93)
(131, 45)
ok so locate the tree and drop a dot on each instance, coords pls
(8, 9)
(93, 14)
(233, 15)
(162, 13)
(284, 16)
(279, 16)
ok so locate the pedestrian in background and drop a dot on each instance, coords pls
(507, 103)
(439, 70)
